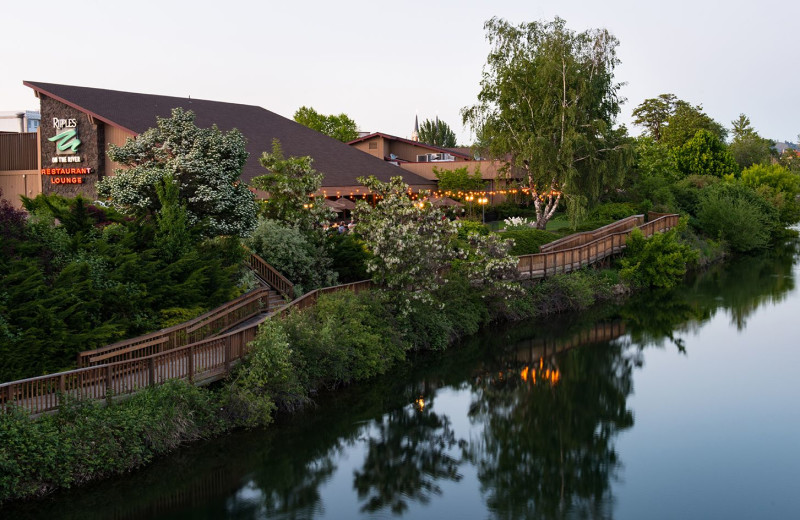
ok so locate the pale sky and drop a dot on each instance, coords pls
(382, 63)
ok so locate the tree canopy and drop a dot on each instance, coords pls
(654, 113)
(548, 99)
(459, 179)
(290, 183)
(747, 147)
(339, 127)
(437, 133)
(684, 123)
(204, 163)
(705, 154)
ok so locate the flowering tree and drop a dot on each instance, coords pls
(487, 264)
(204, 163)
(412, 242)
(414, 245)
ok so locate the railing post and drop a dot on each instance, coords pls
(109, 380)
(227, 348)
(151, 371)
(190, 362)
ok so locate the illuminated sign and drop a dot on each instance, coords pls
(66, 171)
(67, 137)
(66, 141)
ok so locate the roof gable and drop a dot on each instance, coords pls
(418, 144)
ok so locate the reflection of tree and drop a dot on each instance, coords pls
(546, 449)
(739, 286)
(408, 452)
(744, 284)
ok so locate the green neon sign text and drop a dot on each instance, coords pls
(68, 139)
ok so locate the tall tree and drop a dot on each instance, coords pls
(685, 121)
(548, 99)
(747, 147)
(437, 133)
(204, 163)
(654, 113)
(339, 127)
(705, 154)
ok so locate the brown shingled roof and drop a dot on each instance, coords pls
(339, 163)
(455, 151)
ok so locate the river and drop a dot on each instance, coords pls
(672, 405)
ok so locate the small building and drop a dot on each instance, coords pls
(19, 121)
(421, 159)
(80, 123)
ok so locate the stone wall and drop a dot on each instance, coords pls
(69, 172)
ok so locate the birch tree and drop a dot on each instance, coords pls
(547, 104)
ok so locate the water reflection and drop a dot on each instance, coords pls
(409, 452)
(546, 450)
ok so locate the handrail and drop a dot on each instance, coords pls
(541, 265)
(211, 322)
(270, 275)
(579, 239)
(200, 361)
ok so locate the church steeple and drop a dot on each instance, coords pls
(415, 133)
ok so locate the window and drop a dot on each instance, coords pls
(373, 145)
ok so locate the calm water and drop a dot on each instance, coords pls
(679, 405)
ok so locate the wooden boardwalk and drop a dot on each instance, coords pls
(582, 249)
(202, 351)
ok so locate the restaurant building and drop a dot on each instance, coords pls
(78, 124)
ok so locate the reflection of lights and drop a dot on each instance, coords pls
(552, 376)
(420, 403)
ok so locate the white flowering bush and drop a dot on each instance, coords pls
(488, 264)
(415, 248)
(411, 242)
(518, 222)
(205, 163)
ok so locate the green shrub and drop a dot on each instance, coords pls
(611, 212)
(467, 227)
(738, 215)
(349, 255)
(659, 261)
(528, 241)
(265, 379)
(568, 292)
(345, 337)
(88, 440)
(293, 254)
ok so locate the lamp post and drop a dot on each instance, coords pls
(482, 201)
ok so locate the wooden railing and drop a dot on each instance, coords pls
(201, 361)
(270, 275)
(537, 348)
(579, 239)
(223, 317)
(310, 298)
(545, 264)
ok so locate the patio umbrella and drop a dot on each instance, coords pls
(445, 201)
(334, 205)
(346, 203)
